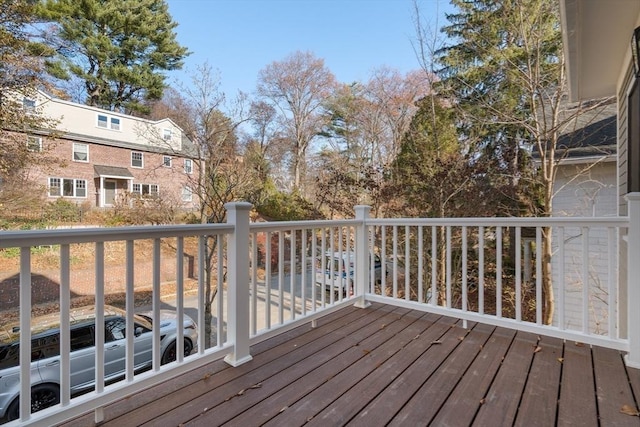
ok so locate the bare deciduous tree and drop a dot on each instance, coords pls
(297, 87)
(21, 74)
(220, 174)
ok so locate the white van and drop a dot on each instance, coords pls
(335, 273)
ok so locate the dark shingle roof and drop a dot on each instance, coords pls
(593, 133)
(111, 171)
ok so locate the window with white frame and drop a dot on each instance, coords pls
(166, 134)
(80, 152)
(34, 143)
(67, 187)
(136, 159)
(187, 194)
(166, 161)
(103, 121)
(188, 166)
(28, 104)
(108, 122)
(150, 190)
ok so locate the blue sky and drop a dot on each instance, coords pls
(241, 37)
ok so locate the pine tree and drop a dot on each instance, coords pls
(506, 57)
(118, 48)
(505, 72)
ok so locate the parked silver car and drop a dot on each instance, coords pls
(336, 272)
(45, 348)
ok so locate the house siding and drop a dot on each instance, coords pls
(170, 180)
(82, 120)
(584, 190)
(623, 119)
(110, 145)
(622, 141)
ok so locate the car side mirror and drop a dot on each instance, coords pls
(138, 331)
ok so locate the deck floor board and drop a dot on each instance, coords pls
(393, 366)
(306, 375)
(433, 393)
(577, 405)
(501, 402)
(539, 400)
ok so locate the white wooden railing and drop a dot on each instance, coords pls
(272, 277)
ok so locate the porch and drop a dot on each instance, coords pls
(451, 333)
(385, 365)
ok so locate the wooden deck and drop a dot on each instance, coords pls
(391, 366)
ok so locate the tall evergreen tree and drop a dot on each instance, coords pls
(119, 48)
(505, 71)
(506, 55)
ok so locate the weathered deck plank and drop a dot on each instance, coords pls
(501, 402)
(283, 404)
(393, 366)
(380, 377)
(426, 402)
(612, 387)
(539, 400)
(206, 397)
(306, 374)
(468, 396)
(577, 404)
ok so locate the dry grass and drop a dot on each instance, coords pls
(83, 259)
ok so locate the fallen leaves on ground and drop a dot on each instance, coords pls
(242, 392)
(630, 410)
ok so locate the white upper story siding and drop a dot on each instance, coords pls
(91, 122)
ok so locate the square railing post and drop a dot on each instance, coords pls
(238, 309)
(633, 281)
(363, 256)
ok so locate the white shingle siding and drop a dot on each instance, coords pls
(592, 193)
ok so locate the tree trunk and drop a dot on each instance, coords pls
(442, 266)
(210, 292)
(547, 284)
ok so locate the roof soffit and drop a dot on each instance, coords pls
(596, 37)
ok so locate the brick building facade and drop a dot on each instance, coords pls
(105, 156)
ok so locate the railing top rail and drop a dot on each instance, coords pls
(505, 222)
(27, 238)
(298, 225)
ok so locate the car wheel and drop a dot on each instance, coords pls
(42, 396)
(170, 354)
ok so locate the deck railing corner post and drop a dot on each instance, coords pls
(238, 309)
(362, 256)
(633, 281)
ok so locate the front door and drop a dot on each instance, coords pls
(109, 192)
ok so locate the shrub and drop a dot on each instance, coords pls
(62, 210)
(281, 206)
